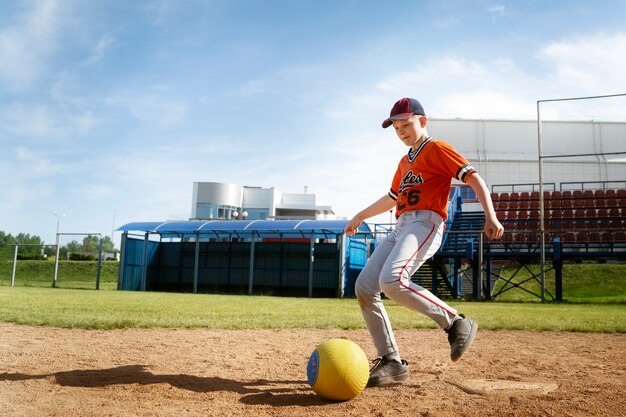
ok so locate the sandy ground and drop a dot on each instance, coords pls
(199, 372)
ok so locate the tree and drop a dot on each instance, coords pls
(108, 245)
(29, 244)
(71, 247)
(91, 244)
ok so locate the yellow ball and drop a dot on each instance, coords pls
(338, 370)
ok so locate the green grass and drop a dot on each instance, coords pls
(595, 296)
(92, 309)
(71, 274)
(582, 283)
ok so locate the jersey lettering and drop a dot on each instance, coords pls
(410, 180)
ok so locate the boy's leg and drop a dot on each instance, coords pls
(418, 237)
(367, 290)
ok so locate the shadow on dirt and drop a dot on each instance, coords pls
(274, 393)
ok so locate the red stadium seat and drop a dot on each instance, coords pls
(504, 196)
(577, 194)
(595, 237)
(507, 237)
(582, 237)
(580, 221)
(514, 196)
(604, 223)
(520, 238)
(621, 193)
(556, 195)
(587, 194)
(565, 203)
(580, 213)
(522, 220)
(525, 195)
(619, 236)
(568, 237)
(615, 219)
(534, 204)
(495, 197)
(566, 195)
(606, 237)
(535, 195)
(599, 194)
(554, 214)
(590, 213)
(610, 194)
(524, 204)
(533, 219)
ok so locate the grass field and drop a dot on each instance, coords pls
(92, 309)
(582, 283)
(595, 296)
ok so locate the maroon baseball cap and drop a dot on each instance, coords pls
(403, 109)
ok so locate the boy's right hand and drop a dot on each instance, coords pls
(353, 226)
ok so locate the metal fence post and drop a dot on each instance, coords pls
(99, 264)
(196, 264)
(251, 271)
(311, 264)
(14, 264)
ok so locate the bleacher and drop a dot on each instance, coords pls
(579, 224)
(584, 217)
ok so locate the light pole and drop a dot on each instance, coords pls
(56, 258)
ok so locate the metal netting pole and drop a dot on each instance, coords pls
(541, 202)
(99, 264)
(14, 264)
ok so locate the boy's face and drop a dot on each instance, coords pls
(410, 131)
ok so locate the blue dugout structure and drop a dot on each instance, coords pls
(283, 257)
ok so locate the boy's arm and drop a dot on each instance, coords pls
(383, 204)
(493, 228)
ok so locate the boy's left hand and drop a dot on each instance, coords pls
(493, 228)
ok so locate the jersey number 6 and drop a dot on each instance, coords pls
(412, 199)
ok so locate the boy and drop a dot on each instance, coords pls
(419, 192)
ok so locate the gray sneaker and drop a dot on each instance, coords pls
(386, 371)
(460, 335)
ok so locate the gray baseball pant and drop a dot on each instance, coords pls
(416, 237)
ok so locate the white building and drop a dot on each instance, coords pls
(505, 152)
(214, 200)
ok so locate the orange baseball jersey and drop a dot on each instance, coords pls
(423, 178)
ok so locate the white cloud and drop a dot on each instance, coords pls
(497, 11)
(250, 88)
(99, 50)
(151, 107)
(26, 44)
(35, 121)
(593, 64)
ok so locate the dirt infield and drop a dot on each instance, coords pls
(60, 372)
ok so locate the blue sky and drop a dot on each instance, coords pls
(111, 109)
